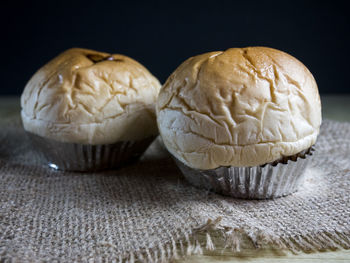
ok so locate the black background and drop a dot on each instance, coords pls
(162, 34)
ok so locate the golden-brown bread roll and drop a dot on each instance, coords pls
(241, 107)
(89, 97)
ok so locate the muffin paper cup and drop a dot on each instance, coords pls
(84, 157)
(271, 180)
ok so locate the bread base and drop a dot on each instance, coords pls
(272, 180)
(88, 158)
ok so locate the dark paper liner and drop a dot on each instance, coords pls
(272, 180)
(88, 158)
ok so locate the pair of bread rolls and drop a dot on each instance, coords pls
(242, 108)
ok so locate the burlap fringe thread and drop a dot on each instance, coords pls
(233, 239)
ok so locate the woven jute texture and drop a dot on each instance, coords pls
(148, 212)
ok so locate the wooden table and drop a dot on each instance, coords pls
(336, 107)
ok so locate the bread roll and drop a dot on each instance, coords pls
(89, 97)
(242, 107)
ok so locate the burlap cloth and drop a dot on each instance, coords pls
(147, 212)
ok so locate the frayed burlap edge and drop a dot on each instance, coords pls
(201, 239)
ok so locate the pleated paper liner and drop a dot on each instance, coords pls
(272, 180)
(88, 158)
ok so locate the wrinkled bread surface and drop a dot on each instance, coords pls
(240, 107)
(89, 97)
